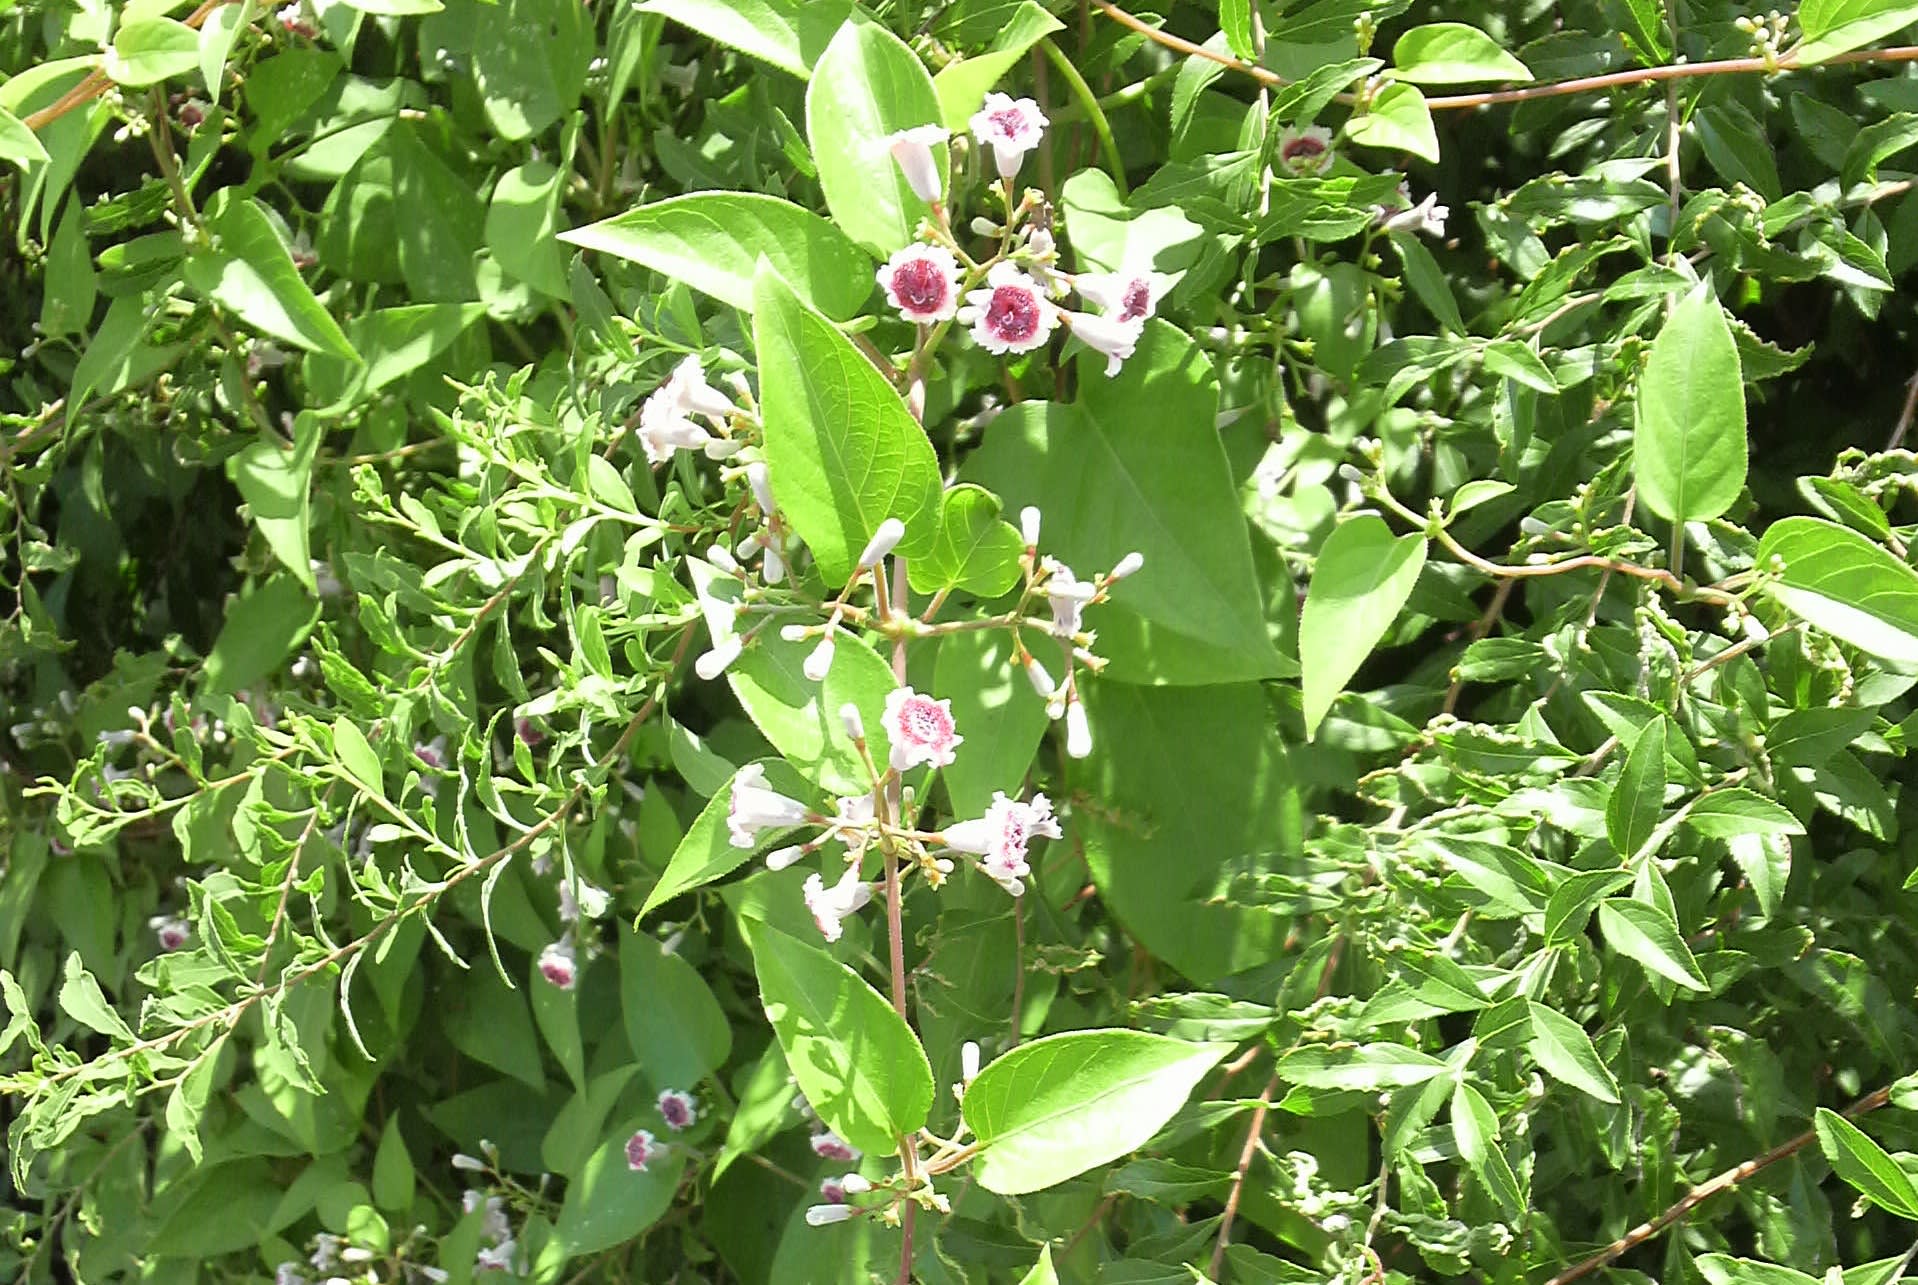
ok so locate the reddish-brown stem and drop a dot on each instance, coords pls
(1246, 1153)
(95, 83)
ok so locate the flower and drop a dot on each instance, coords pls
(756, 806)
(170, 931)
(822, 1215)
(828, 1145)
(1305, 153)
(432, 753)
(1011, 314)
(831, 905)
(884, 541)
(495, 1225)
(678, 1108)
(587, 902)
(1130, 294)
(818, 662)
(1116, 339)
(1011, 127)
(722, 622)
(293, 20)
(1001, 837)
(665, 420)
(832, 1191)
(558, 965)
(1067, 595)
(1428, 216)
(912, 148)
(922, 282)
(499, 1258)
(921, 729)
(642, 1149)
(1078, 730)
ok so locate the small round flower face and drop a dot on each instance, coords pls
(921, 729)
(830, 1146)
(641, 1150)
(679, 1109)
(1003, 836)
(558, 965)
(922, 282)
(1011, 128)
(1011, 314)
(1306, 153)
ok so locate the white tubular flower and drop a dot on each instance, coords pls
(1029, 526)
(756, 806)
(1428, 216)
(1305, 153)
(1011, 314)
(818, 662)
(722, 621)
(1011, 127)
(760, 480)
(1001, 838)
(642, 1149)
(883, 542)
(1130, 294)
(692, 395)
(830, 906)
(922, 282)
(1116, 339)
(1067, 595)
(828, 1145)
(912, 149)
(662, 431)
(170, 931)
(1078, 730)
(679, 1109)
(920, 728)
(969, 1061)
(825, 1215)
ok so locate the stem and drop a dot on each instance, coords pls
(895, 928)
(1089, 104)
(1246, 1153)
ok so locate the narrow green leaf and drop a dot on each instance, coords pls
(393, 1178)
(356, 752)
(1834, 26)
(1647, 934)
(249, 271)
(18, 143)
(1362, 580)
(1562, 1048)
(707, 852)
(274, 481)
(1368, 1067)
(962, 84)
(1042, 1272)
(81, 999)
(1638, 799)
(1235, 21)
(1864, 1164)
(1729, 813)
(1689, 455)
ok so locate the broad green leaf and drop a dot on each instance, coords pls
(1042, 1272)
(1452, 53)
(609, 1204)
(394, 343)
(1646, 31)
(396, 8)
(1840, 582)
(1735, 811)
(1428, 282)
(18, 143)
(1864, 1164)
(147, 51)
(843, 451)
(707, 853)
(857, 1062)
(1136, 464)
(676, 1027)
(714, 241)
(996, 709)
(1638, 799)
(1573, 901)
(1647, 934)
(975, 551)
(529, 60)
(522, 226)
(556, 1014)
(1723, 1269)
(492, 1023)
(1834, 26)
(1052, 1109)
(356, 753)
(274, 480)
(1689, 453)
(1562, 1048)
(962, 84)
(81, 999)
(217, 34)
(869, 84)
(393, 1177)
(1521, 362)
(801, 717)
(1398, 121)
(1359, 585)
(789, 34)
(248, 271)
(1474, 1124)
(1366, 1067)
(262, 628)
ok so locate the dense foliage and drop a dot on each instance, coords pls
(964, 641)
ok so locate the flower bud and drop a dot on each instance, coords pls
(883, 541)
(1128, 565)
(969, 1061)
(1029, 526)
(854, 724)
(1040, 679)
(820, 660)
(824, 1215)
(722, 558)
(795, 633)
(780, 858)
(854, 1184)
(1078, 730)
(471, 1164)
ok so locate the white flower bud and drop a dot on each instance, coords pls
(883, 541)
(780, 858)
(1128, 565)
(1078, 731)
(722, 558)
(854, 1184)
(824, 1215)
(795, 633)
(855, 725)
(969, 1061)
(819, 661)
(470, 1163)
(1029, 526)
(1040, 679)
(712, 664)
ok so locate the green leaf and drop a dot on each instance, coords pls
(962, 84)
(1689, 453)
(274, 480)
(869, 84)
(1735, 811)
(18, 143)
(1474, 1124)
(556, 1014)
(1835, 579)
(609, 1204)
(1452, 53)
(356, 752)
(395, 342)
(1572, 902)
(788, 34)
(492, 1023)
(1521, 362)
(714, 241)
(1042, 1272)
(147, 51)
(1428, 282)
(1362, 579)
(1864, 1164)
(529, 60)
(1235, 21)
(261, 630)
(1647, 934)
(857, 1062)
(1398, 121)
(396, 8)
(677, 1029)
(248, 271)
(707, 853)
(801, 717)
(80, 999)
(1560, 1046)
(217, 34)
(393, 1169)
(975, 551)
(1367, 1067)
(1136, 464)
(1834, 26)
(843, 452)
(1052, 1109)
(1638, 799)
(1002, 718)
(522, 226)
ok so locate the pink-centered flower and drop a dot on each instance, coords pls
(642, 1149)
(756, 806)
(828, 1145)
(1130, 294)
(678, 1108)
(920, 728)
(830, 906)
(922, 282)
(1011, 127)
(559, 965)
(170, 931)
(1002, 837)
(1011, 314)
(912, 149)
(1116, 339)
(1305, 153)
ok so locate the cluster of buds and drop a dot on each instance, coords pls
(1767, 36)
(578, 900)
(669, 420)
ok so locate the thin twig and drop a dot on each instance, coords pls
(1904, 416)
(1246, 1153)
(1706, 1190)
